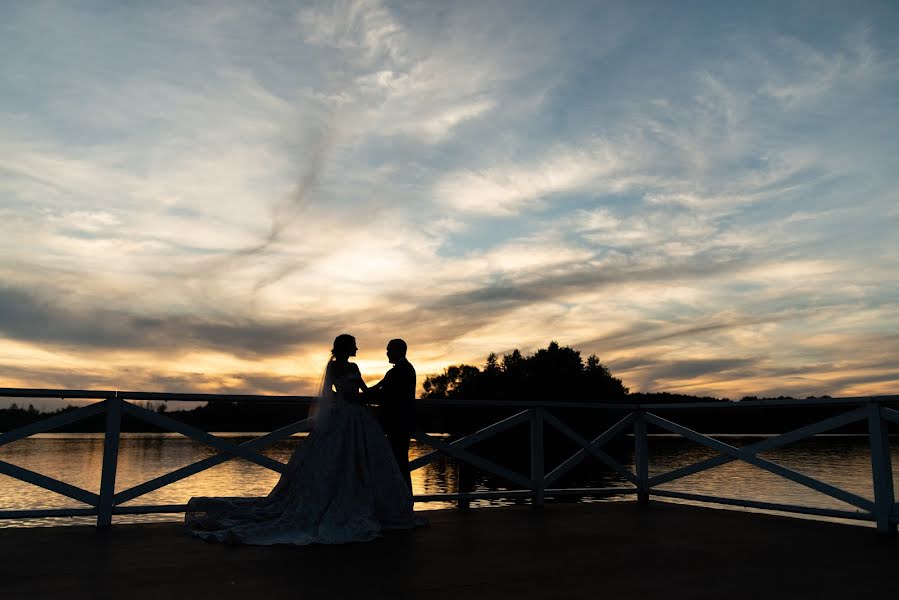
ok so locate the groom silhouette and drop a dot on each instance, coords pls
(395, 397)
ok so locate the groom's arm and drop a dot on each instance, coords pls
(377, 392)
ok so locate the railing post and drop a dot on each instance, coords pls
(537, 466)
(463, 485)
(641, 458)
(110, 461)
(881, 469)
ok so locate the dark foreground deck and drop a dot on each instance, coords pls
(608, 550)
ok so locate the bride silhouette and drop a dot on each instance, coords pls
(341, 485)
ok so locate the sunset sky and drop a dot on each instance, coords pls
(198, 196)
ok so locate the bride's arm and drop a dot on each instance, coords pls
(362, 384)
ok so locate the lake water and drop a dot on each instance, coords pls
(843, 461)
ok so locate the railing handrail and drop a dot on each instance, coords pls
(264, 398)
(64, 394)
(883, 510)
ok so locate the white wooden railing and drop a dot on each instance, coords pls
(882, 510)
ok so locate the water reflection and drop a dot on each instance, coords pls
(841, 461)
(77, 459)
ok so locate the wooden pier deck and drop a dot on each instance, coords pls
(604, 550)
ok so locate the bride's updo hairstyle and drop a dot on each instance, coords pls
(343, 345)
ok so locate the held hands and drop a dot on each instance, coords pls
(370, 395)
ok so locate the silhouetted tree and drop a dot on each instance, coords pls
(554, 373)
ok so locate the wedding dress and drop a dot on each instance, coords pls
(341, 485)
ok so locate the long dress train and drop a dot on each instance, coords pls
(341, 485)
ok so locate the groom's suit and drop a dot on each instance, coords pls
(395, 395)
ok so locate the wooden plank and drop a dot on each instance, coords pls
(48, 483)
(51, 423)
(149, 509)
(791, 508)
(641, 458)
(571, 551)
(881, 470)
(614, 430)
(510, 494)
(160, 396)
(56, 393)
(485, 495)
(593, 492)
(110, 461)
(889, 414)
(195, 397)
(423, 498)
(697, 467)
(587, 448)
(470, 439)
(767, 465)
(202, 436)
(209, 462)
(538, 480)
(599, 441)
(477, 461)
(809, 430)
(763, 445)
(39, 513)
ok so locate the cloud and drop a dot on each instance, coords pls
(708, 205)
(507, 190)
(136, 378)
(28, 316)
(366, 28)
